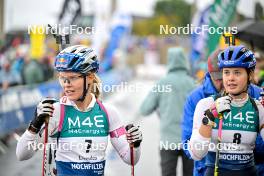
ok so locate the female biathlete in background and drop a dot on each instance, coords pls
(243, 118)
(80, 124)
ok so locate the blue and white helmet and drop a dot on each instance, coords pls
(236, 56)
(77, 58)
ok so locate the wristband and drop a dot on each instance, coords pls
(214, 111)
(32, 128)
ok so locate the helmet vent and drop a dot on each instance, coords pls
(230, 55)
(73, 51)
(247, 59)
(240, 54)
(93, 58)
(222, 56)
(73, 61)
(83, 50)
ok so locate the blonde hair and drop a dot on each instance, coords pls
(96, 87)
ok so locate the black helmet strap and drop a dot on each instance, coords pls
(85, 90)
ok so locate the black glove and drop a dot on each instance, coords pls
(43, 110)
(134, 135)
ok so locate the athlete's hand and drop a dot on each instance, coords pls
(222, 104)
(43, 110)
(134, 135)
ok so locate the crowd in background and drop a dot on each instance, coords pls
(17, 67)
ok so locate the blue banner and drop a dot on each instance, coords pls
(121, 28)
(17, 105)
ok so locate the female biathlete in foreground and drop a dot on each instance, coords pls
(243, 118)
(80, 124)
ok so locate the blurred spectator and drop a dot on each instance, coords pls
(19, 62)
(169, 104)
(2, 55)
(7, 76)
(12, 50)
(259, 71)
(47, 69)
(17, 65)
(32, 71)
(151, 56)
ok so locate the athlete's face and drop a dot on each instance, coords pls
(72, 84)
(235, 80)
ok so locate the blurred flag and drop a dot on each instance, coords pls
(121, 28)
(70, 11)
(37, 42)
(220, 15)
(199, 40)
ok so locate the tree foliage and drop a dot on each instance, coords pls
(167, 12)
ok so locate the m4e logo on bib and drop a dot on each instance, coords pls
(244, 121)
(98, 122)
(82, 126)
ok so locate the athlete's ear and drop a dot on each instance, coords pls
(90, 77)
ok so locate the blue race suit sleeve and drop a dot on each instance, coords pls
(187, 124)
(254, 92)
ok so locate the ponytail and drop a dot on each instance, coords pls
(96, 87)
